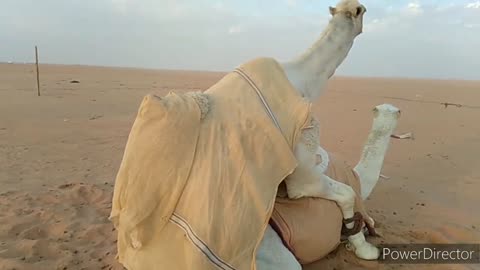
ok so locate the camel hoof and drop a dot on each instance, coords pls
(362, 249)
(367, 251)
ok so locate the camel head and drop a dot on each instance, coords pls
(350, 10)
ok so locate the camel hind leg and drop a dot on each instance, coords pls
(273, 255)
(371, 162)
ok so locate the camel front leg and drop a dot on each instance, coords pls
(308, 180)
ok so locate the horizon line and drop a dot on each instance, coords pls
(345, 76)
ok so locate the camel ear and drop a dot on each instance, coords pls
(332, 10)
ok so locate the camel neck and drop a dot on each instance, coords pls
(311, 70)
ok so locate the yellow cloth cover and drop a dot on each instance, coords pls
(311, 227)
(196, 193)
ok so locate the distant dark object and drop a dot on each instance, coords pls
(95, 116)
(446, 104)
(74, 81)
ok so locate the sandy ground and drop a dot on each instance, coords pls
(59, 154)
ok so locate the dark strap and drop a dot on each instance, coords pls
(357, 227)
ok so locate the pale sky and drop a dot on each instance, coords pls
(424, 38)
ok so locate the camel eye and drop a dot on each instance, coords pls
(359, 11)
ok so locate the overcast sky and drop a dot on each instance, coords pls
(424, 38)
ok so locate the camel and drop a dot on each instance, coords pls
(309, 73)
(175, 228)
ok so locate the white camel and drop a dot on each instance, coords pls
(308, 74)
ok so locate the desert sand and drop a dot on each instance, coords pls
(59, 154)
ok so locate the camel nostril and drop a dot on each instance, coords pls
(359, 11)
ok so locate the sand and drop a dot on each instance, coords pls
(59, 154)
